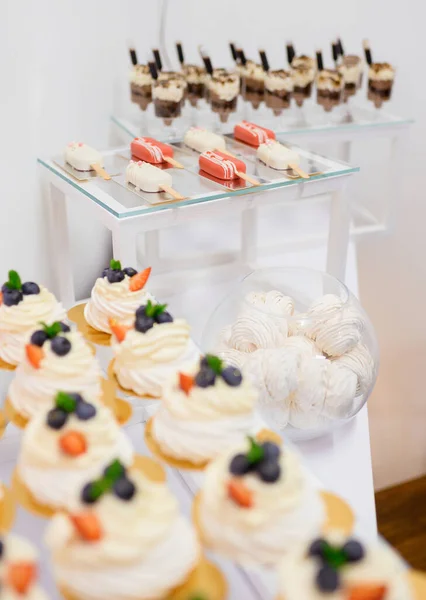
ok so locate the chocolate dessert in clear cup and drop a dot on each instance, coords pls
(195, 77)
(140, 85)
(380, 82)
(223, 89)
(167, 95)
(303, 73)
(176, 76)
(252, 82)
(351, 68)
(329, 88)
(278, 90)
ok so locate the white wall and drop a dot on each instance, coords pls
(63, 64)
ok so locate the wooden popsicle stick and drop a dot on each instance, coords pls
(172, 192)
(246, 177)
(298, 170)
(173, 162)
(100, 171)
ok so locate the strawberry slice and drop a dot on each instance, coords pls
(35, 355)
(137, 282)
(73, 443)
(20, 575)
(186, 382)
(118, 330)
(368, 591)
(240, 494)
(88, 526)
(1, 298)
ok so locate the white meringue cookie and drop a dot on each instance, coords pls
(307, 402)
(234, 358)
(360, 361)
(272, 301)
(302, 345)
(254, 330)
(341, 392)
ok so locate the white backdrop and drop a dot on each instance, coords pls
(63, 64)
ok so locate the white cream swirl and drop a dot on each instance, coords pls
(381, 565)
(138, 535)
(198, 425)
(381, 72)
(144, 361)
(360, 361)
(17, 549)
(16, 322)
(33, 390)
(141, 75)
(52, 476)
(283, 512)
(113, 300)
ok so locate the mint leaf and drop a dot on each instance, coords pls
(52, 330)
(334, 557)
(215, 363)
(65, 402)
(97, 488)
(115, 265)
(153, 310)
(114, 472)
(14, 282)
(256, 452)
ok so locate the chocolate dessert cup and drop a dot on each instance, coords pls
(141, 86)
(329, 89)
(380, 83)
(350, 67)
(168, 96)
(278, 90)
(252, 83)
(195, 77)
(223, 90)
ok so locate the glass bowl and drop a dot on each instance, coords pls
(305, 341)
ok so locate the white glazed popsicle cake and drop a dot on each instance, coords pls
(82, 157)
(203, 140)
(147, 178)
(277, 156)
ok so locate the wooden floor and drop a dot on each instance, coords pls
(401, 515)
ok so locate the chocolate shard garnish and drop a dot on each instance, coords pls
(335, 51)
(180, 52)
(291, 53)
(367, 53)
(320, 63)
(208, 64)
(242, 56)
(233, 51)
(133, 56)
(340, 47)
(264, 59)
(153, 70)
(157, 58)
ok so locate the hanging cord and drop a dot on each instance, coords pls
(164, 6)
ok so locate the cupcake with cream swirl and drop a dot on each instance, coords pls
(56, 358)
(67, 446)
(124, 539)
(19, 570)
(202, 412)
(22, 307)
(153, 350)
(116, 295)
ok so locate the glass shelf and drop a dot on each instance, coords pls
(122, 201)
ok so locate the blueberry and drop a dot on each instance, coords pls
(130, 272)
(124, 488)
(354, 551)
(1, 548)
(239, 465)
(327, 579)
(269, 471)
(271, 450)
(76, 397)
(29, 288)
(140, 312)
(60, 345)
(232, 376)
(317, 548)
(164, 317)
(38, 338)
(64, 327)
(86, 494)
(204, 362)
(144, 323)
(205, 377)
(85, 411)
(12, 297)
(115, 276)
(4, 287)
(56, 418)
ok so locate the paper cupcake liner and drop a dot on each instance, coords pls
(206, 581)
(148, 466)
(121, 409)
(6, 366)
(76, 315)
(339, 515)
(7, 509)
(3, 423)
(113, 377)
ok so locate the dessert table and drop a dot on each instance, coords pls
(126, 214)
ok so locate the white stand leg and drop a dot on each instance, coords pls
(249, 236)
(396, 174)
(338, 235)
(124, 247)
(60, 246)
(346, 151)
(152, 248)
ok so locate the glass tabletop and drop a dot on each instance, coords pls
(123, 200)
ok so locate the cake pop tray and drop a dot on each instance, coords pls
(111, 163)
